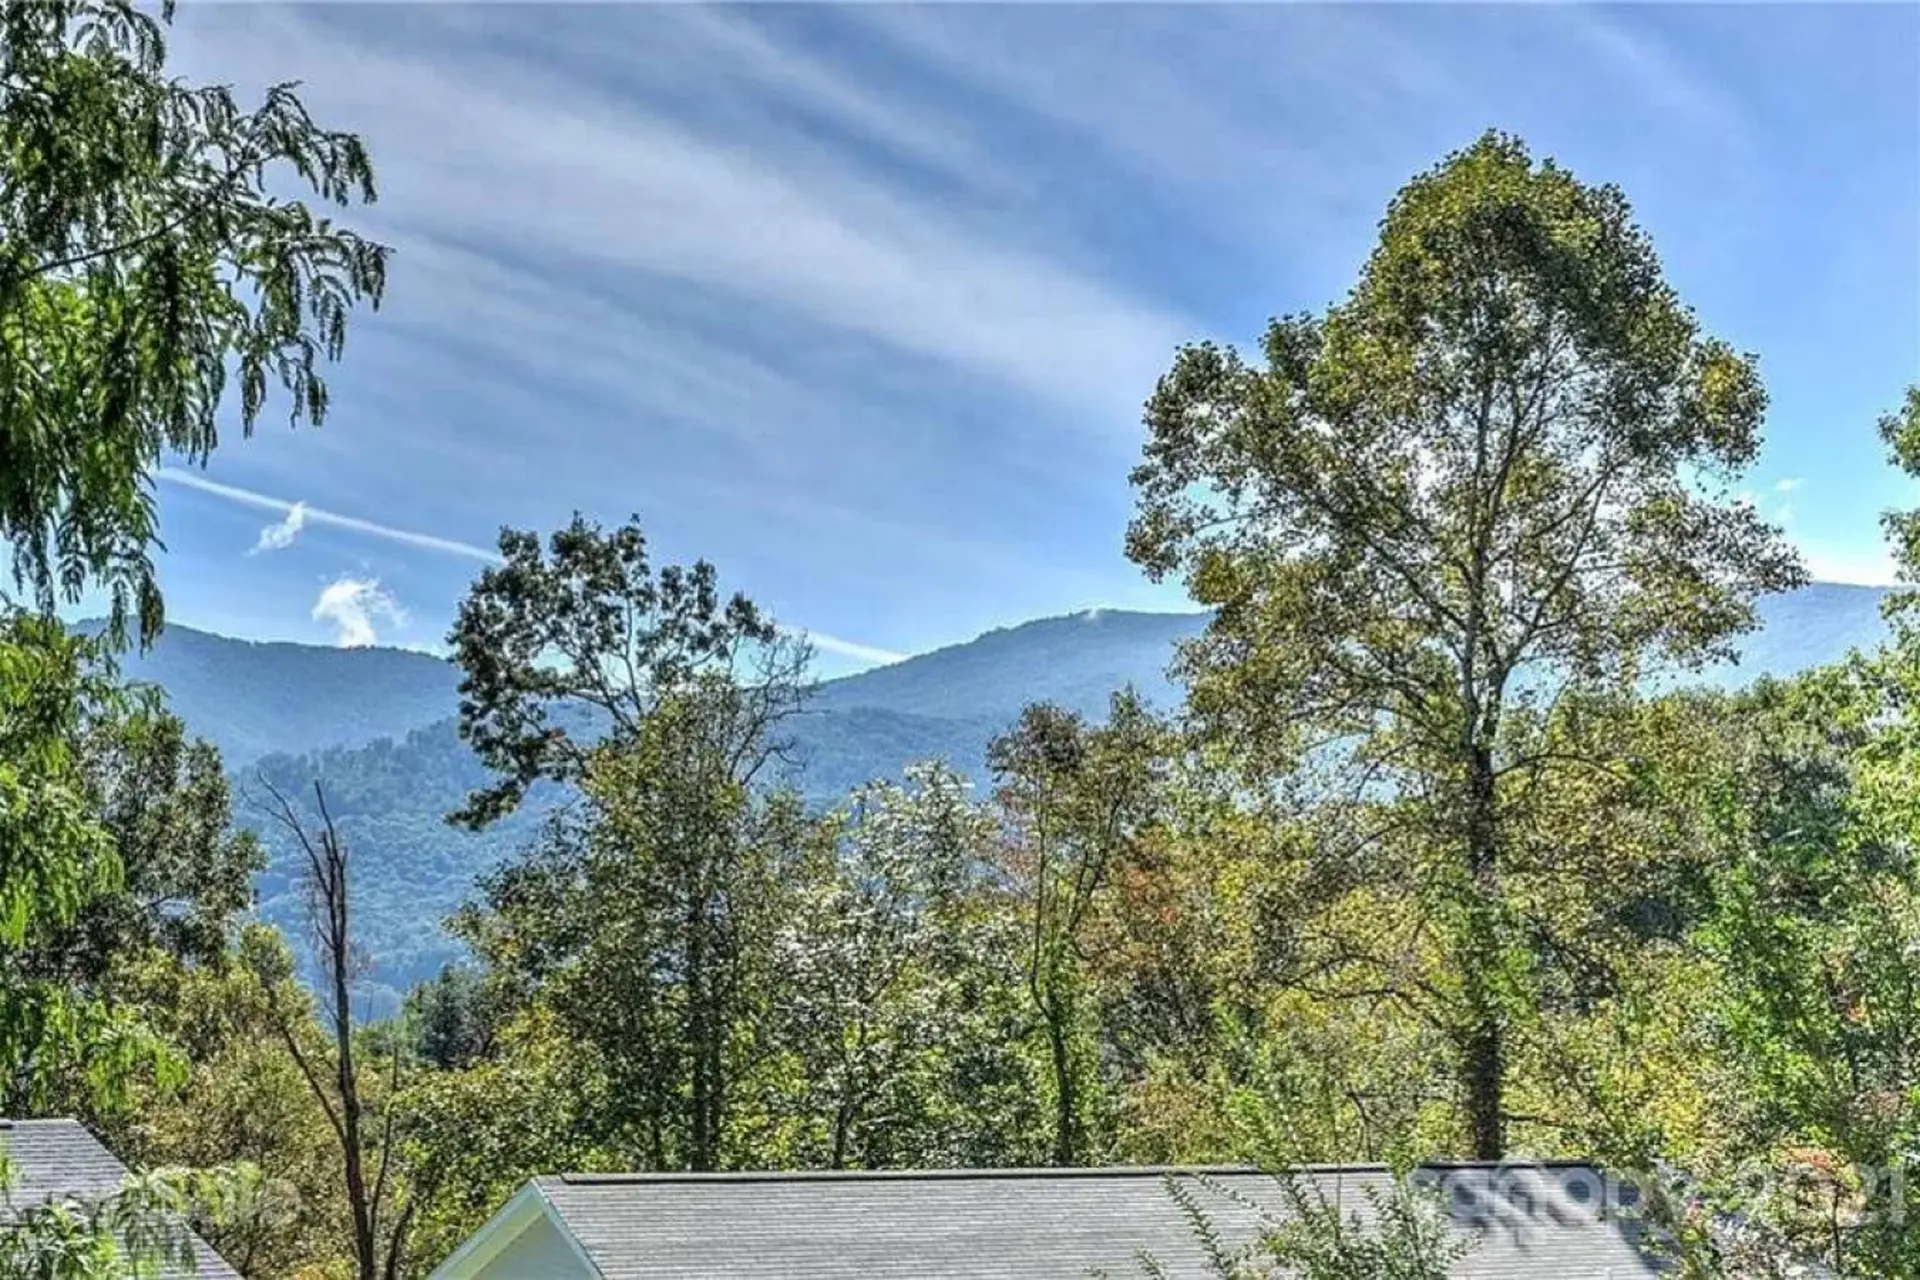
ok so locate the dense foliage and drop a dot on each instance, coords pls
(398, 766)
(145, 262)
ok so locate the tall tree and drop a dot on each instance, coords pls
(647, 924)
(1078, 797)
(1501, 467)
(644, 923)
(651, 915)
(148, 253)
(898, 980)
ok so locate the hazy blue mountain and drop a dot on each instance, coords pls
(251, 698)
(411, 870)
(376, 725)
(1076, 661)
(389, 799)
(1810, 627)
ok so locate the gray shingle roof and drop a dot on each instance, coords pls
(1537, 1221)
(57, 1159)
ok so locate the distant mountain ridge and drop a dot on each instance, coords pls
(252, 698)
(1076, 660)
(376, 725)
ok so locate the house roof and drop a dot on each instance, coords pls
(59, 1159)
(1561, 1220)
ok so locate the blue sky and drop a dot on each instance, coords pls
(861, 303)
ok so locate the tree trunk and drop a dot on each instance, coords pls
(1484, 1071)
(1065, 1101)
(716, 1050)
(331, 917)
(1483, 1064)
(700, 1155)
(842, 1126)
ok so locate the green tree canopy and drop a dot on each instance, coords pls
(584, 638)
(1501, 467)
(1900, 431)
(149, 254)
(1076, 798)
(56, 857)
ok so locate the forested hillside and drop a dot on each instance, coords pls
(252, 698)
(393, 786)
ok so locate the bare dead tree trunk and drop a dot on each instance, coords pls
(338, 1091)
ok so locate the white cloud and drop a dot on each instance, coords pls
(280, 535)
(1787, 485)
(1873, 567)
(354, 606)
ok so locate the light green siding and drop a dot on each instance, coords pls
(538, 1253)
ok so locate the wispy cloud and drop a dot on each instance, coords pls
(353, 604)
(862, 302)
(674, 252)
(280, 535)
(529, 155)
(1676, 86)
(1203, 144)
(356, 608)
(849, 648)
(272, 537)
(1787, 485)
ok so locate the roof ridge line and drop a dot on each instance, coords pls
(896, 1175)
(1019, 1173)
